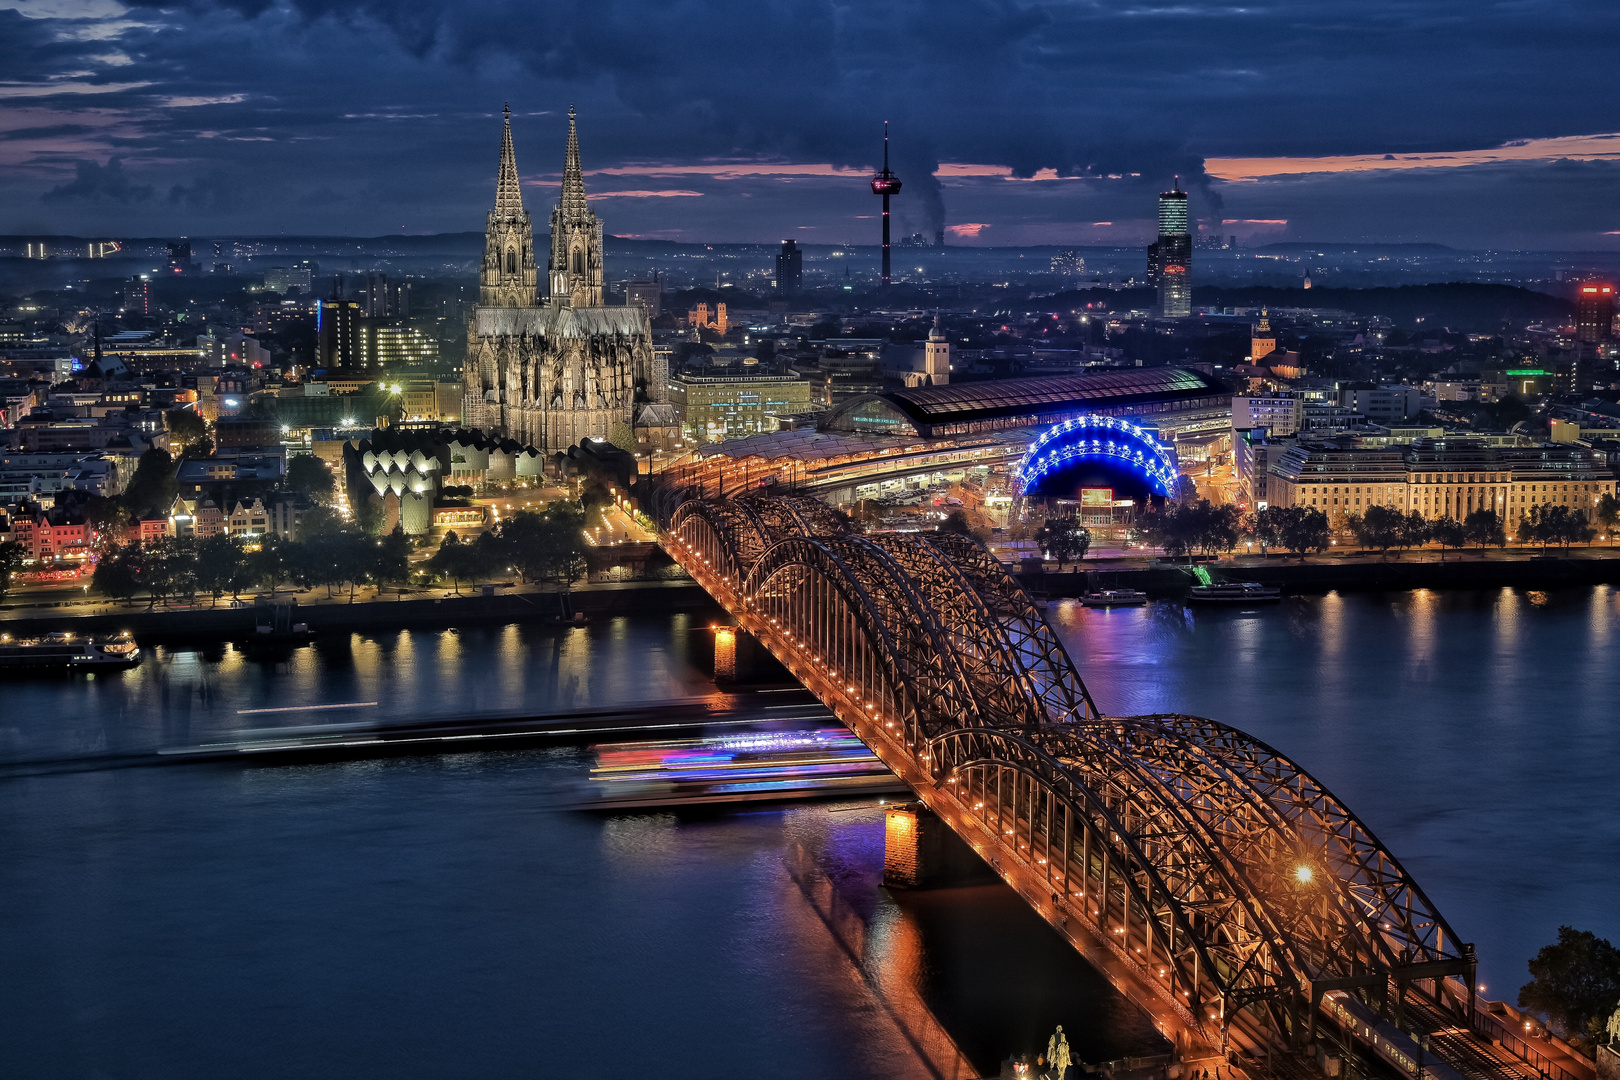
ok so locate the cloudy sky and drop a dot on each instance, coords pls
(1469, 122)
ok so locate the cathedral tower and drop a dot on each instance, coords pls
(509, 276)
(576, 237)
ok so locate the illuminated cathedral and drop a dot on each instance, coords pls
(552, 370)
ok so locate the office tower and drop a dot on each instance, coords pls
(138, 296)
(789, 267)
(1170, 258)
(1594, 314)
(647, 295)
(885, 184)
(180, 257)
(376, 298)
(337, 331)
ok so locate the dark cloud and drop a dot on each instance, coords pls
(92, 183)
(211, 194)
(394, 105)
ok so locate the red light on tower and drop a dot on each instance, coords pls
(885, 184)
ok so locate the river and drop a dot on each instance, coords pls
(451, 916)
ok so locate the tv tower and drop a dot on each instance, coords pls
(885, 184)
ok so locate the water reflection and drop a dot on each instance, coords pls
(1476, 733)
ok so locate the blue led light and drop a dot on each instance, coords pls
(1094, 437)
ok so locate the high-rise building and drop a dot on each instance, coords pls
(138, 296)
(647, 295)
(1594, 314)
(376, 296)
(337, 333)
(1170, 257)
(789, 267)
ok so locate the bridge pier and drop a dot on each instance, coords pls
(740, 658)
(922, 852)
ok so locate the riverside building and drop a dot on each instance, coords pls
(1440, 478)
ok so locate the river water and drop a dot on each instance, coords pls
(453, 917)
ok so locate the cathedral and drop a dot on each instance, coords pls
(550, 371)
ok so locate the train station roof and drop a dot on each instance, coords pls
(969, 408)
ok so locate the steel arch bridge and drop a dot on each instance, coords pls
(1215, 880)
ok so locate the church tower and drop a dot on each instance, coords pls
(509, 276)
(937, 354)
(576, 237)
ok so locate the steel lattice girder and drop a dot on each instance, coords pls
(1206, 823)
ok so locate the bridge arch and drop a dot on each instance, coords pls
(1233, 881)
(1115, 445)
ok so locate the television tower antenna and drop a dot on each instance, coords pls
(885, 184)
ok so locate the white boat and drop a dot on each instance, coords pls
(68, 652)
(1107, 598)
(1235, 592)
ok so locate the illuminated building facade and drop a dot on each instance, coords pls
(571, 368)
(1262, 342)
(337, 332)
(716, 407)
(1440, 478)
(1170, 257)
(1594, 314)
(789, 267)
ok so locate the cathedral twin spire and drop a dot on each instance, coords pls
(509, 277)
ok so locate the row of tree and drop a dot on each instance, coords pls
(186, 567)
(1197, 525)
(548, 545)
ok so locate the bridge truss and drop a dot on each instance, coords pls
(1216, 881)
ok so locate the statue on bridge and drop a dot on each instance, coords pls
(1057, 1055)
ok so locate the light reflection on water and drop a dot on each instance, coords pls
(182, 695)
(1477, 734)
(350, 916)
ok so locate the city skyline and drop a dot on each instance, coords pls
(1057, 125)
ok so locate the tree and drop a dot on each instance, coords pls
(270, 564)
(1304, 530)
(1264, 527)
(12, 555)
(109, 524)
(1484, 527)
(1414, 530)
(1064, 539)
(1380, 527)
(115, 576)
(309, 475)
(1574, 983)
(220, 565)
(187, 431)
(454, 560)
(1448, 532)
(152, 490)
(1548, 524)
(1608, 516)
(389, 559)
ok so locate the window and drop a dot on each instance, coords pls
(511, 262)
(579, 261)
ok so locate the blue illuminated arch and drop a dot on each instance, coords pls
(1098, 438)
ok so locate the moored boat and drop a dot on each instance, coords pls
(1109, 598)
(1235, 592)
(64, 651)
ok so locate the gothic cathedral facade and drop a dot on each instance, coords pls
(552, 371)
